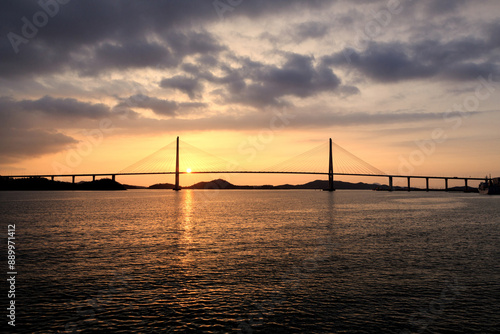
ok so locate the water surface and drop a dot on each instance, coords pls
(256, 261)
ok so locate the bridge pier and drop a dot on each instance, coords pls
(52, 178)
(93, 178)
(391, 188)
(73, 179)
(427, 184)
(176, 186)
(466, 185)
(409, 184)
(445, 184)
(113, 177)
(330, 170)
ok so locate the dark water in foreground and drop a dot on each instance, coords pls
(253, 262)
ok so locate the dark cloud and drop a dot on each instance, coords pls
(67, 108)
(298, 33)
(21, 143)
(260, 85)
(382, 62)
(310, 29)
(190, 43)
(256, 8)
(126, 56)
(160, 106)
(493, 33)
(97, 35)
(191, 86)
(444, 6)
(298, 76)
(460, 59)
(25, 129)
(207, 60)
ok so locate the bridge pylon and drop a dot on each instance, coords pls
(176, 186)
(330, 170)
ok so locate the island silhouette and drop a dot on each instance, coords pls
(40, 183)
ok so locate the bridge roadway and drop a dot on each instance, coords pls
(391, 177)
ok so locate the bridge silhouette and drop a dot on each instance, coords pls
(191, 160)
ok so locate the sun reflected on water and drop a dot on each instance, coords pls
(187, 223)
(187, 210)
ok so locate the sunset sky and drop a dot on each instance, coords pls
(411, 87)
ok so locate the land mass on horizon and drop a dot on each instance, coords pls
(314, 185)
(40, 183)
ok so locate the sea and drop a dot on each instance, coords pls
(251, 261)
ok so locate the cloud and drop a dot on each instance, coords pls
(95, 36)
(304, 118)
(382, 62)
(190, 86)
(298, 33)
(459, 60)
(27, 127)
(493, 33)
(129, 55)
(64, 107)
(193, 42)
(16, 144)
(48, 110)
(310, 29)
(161, 106)
(444, 7)
(261, 85)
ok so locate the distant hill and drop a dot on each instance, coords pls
(215, 184)
(323, 184)
(317, 184)
(128, 186)
(223, 184)
(40, 183)
(162, 186)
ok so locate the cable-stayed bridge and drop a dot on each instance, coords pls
(327, 159)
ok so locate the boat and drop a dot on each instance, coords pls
(490, 186)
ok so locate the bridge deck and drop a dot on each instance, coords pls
(252, 172)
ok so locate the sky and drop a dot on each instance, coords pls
(411, 87)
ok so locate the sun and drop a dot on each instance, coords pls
(188, 170)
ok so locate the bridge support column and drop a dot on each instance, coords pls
(330, 170)
(445, 184)
(391, 188)
(466, 185)
(176, 186)
(93, 177)
(73, 179)
(409, 184)
(113, 177)
(427, 184)
(52, 178)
